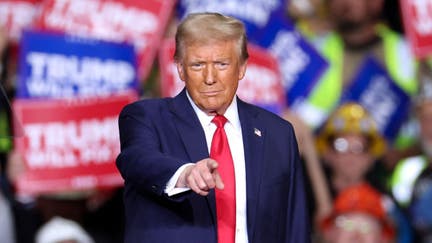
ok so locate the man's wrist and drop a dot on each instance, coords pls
(172, 185)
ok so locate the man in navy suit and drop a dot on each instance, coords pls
(171, 183)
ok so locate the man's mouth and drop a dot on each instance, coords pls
(211, 93)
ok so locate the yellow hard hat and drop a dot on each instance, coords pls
(351, 118)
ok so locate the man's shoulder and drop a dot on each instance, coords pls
(146, 105)
(265, 115)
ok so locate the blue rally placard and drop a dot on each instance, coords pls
(54, 65)
(300, 63)
(255, 14)
(388, 104)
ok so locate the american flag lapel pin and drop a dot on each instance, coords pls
(257, 132)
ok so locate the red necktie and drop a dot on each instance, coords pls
(225, 199)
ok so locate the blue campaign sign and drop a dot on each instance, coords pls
(255, 14)
(381, 96)
(54, 65)
(301, 65)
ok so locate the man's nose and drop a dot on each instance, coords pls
(209, 74)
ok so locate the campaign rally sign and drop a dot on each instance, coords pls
(16, 15)
(139, 22)
(255, 14)
(417, 19)
(54, 65)
(69, 144)
(170, 82)
(262, 84)
(387, 103)
(300, 64)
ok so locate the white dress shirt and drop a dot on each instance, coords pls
(235, 140)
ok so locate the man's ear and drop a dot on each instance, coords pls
(180, 70)
(242, 70)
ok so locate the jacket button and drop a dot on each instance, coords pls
(154, 187)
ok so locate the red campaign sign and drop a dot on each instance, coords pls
(139, 22)
(16, 15)
(417, 18)
(262, 84)
(170, 82)
(69, 145)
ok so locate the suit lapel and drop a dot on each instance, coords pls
(189, 127)
(190, 131)
(253, 140)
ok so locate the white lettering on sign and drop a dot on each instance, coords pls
(423, 16)
(58, 75)
(72, 143)
(254, 11)
(380, 106)
(84, 181)
(108, 20)
(16, 16)
(259, 85)
(292, 59)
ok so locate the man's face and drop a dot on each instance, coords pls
(355, 227)
(352, 14)
(211, 73)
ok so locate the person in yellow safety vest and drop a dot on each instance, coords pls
(408, 170)
(358, 33)
(419, 206)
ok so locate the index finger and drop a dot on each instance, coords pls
(218, 180)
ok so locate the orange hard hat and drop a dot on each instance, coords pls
(361, 198)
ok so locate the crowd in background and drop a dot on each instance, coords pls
(361, 187)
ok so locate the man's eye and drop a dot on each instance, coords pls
(222, 65)
(196, 65)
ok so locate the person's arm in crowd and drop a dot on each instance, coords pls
(308, 151)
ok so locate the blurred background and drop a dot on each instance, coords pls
(354, 77)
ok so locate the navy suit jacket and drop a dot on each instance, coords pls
(159, 135)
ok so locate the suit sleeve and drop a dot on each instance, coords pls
(298, 217)
(141, 161)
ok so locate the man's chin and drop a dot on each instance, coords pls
(348, 27)
(210, 109)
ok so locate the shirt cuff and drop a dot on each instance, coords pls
(170, 188)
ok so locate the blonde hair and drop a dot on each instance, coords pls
(205, 28)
